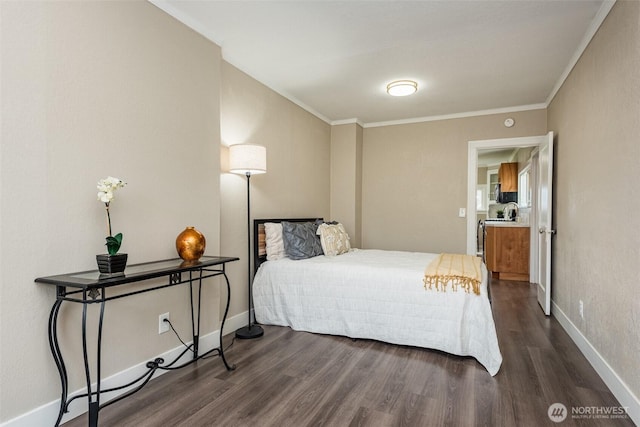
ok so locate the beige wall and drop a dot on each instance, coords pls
(91, 89)
(79, 77)
(415, 179)
(298, 154)
(596, 117)
(522, 157)
(482, 175)
(346, 179)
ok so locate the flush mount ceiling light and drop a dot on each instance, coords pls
(402, 88)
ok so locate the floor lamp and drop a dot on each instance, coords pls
(248, 159)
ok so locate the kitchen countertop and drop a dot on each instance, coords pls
(489, 223)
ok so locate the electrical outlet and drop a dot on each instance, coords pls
(462, 212)
(162, 325)
(581, 309)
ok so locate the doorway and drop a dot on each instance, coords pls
(539, 223)
(487, 204)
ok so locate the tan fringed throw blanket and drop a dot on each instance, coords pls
(457, 269)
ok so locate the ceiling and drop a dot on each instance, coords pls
(495, 156)
(334, 58)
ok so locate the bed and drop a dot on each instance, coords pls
(372, 294)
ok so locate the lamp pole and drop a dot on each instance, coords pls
(250, 331)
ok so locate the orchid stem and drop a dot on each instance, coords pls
(108, 218)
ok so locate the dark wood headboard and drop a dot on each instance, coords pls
(259, 243)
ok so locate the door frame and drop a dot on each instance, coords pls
(472, 181)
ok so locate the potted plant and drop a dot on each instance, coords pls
(500, 213)
(111, 262)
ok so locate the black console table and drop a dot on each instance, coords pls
(91, 287)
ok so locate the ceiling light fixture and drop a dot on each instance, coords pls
(402, 88)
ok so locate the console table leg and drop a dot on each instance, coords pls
(196, 342)
(195, 321)
(94, 407)
(224, 318)
(93, 410)
(57, 356)
(93, 397)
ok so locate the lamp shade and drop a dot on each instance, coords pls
(247, 159)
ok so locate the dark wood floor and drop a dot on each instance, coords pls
(289, 378)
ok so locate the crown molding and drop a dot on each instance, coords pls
(591, 31)
(457, 115)
(347, 122)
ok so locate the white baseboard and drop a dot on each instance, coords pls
(234, 323)
(46, 414)
(617, 386)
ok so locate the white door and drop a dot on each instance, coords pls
(545, 227)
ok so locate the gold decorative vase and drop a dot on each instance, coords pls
(190, 244)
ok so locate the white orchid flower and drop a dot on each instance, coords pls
(106, 188)
(105, 196)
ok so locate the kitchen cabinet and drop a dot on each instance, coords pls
(508, 177)
(507, 252)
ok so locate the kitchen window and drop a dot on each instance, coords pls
(481, 198)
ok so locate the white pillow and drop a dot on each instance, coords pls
(273, 241)
(334, 239)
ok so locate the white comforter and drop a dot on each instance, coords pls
(378, 295)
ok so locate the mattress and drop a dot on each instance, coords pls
(379, 295)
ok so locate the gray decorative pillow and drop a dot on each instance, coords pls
(300, 240)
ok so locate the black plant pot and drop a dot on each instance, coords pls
(111, 264)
